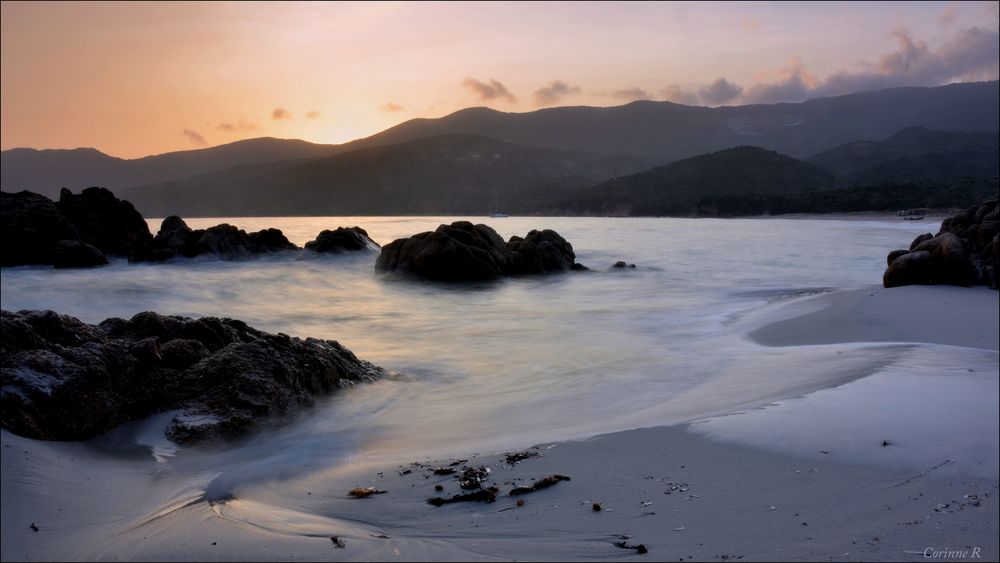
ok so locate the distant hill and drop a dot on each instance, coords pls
(659, 131)
(672, 132)
(46, 171)
(677, 188)
(444, 174)
(915, 155)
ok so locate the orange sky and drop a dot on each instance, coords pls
(145, 78)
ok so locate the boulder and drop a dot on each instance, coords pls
(76, 254)
(466, 252)
(175, 238)
(343, 239)
(61, 379)
(104, 221)
(963, 252)
(30, 225)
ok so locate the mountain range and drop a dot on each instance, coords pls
(554, 159)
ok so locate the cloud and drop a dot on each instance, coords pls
(971, 54)
(194, 136)
(719, 92)
(793, 84)
(554, 93)
(313, 114)
(630, 94)
(233, 126)
(680, 95)
(492, 91)
(281, 113)
(391, 107)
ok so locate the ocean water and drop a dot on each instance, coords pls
(488, 367)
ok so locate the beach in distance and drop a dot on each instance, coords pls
(747, 391)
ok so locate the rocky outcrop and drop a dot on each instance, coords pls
(62, 379)
(964, 252)
(343, 239)
(78, 230)
(104, 221)
(175, 238)
(466, 252)
(30, 225)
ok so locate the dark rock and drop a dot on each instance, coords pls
(341, 240)
(61, 379)
(103, 220)
(270, 240)
(78, 231)
(922, 238)
(76, 254)
(466, 252)
(30, 225)
(175, 238)
(893, 255)
(619, 265)
(963, 253)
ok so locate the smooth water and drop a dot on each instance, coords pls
(484, 367)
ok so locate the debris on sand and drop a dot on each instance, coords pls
(539, 485)
(444, 471)
(337, 542)
(482, 495)
(34, 528)
(517, 457)
(641, 549)
(365, 492)
(596, 507)
(472, 478)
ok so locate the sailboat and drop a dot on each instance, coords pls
(494, 212)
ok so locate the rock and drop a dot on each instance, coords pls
(76, 254)
(466, 252)
(175, 238)
(619, 265)
(30, 225)
(78, 231)
(342, 240)
(61, 379)
(893, 255)
(103, 220)
(963, 253)
(922, 238)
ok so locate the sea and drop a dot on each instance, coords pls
(495, 366)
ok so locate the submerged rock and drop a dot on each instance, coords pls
(61, 379)
(964, 252)
(466, 252)
(343, 239)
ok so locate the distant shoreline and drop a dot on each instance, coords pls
(934, 216)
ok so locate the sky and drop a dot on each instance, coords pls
(134, 79)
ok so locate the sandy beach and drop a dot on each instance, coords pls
(891, 466)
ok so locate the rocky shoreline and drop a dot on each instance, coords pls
(964, 252)
(83, 230)
(62, 379)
